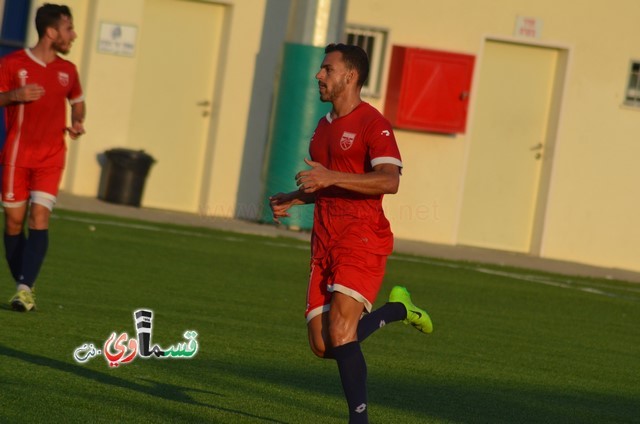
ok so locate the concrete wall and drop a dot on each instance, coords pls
(591, 198)
(592, 201)
(251, 41)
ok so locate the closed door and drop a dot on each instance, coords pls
(178, 48)
(507, 145)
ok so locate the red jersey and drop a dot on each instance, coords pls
(35, 130)
(354, 143)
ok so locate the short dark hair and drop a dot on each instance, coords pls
(49, 15)
(354, 57)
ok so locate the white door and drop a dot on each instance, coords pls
(513, 108)
(178, 47)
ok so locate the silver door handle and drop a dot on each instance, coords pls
(538, 146)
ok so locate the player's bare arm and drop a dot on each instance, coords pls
(27, 93)
(281, 202)
(384, 179)
(78, 112)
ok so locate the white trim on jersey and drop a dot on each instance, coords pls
(34, 58)
(386, 159)
(76, 100)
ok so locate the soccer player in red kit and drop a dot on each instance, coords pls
(354, 162)
(35, 85)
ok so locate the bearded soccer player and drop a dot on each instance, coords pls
(354, 162)
(35, 85)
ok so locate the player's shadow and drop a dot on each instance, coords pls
(157, 389)
(466, 400)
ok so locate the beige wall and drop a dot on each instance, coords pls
(108, 85)
(427, 206)
(108, 82)
(592, 194)
(593, 201)
(592, 197)
(231, 117)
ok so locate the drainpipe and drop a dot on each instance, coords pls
(297, 108)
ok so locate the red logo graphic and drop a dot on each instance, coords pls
(347, 140)
(63, 78)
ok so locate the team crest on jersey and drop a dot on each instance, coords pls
(347, 140)
(63, 78)
(23, 74)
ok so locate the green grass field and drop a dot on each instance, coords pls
(509, 346)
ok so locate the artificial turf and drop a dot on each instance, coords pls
(509, 345)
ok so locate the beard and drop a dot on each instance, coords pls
(61, 47)
(330, 95)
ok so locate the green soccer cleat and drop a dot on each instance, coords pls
(23, 301)
(417, 317)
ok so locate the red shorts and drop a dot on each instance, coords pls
(38, 184)
(354, 272)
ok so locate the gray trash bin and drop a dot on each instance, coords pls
(124, 175)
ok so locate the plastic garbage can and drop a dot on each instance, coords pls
(124, 175)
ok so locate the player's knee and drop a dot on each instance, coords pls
(39, 223)
(39, 216)
(13, 227)
(13, 223)
(341, 333)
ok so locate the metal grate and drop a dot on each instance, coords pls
(373, 41)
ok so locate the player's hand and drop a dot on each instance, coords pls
(76, 130)
(280, 203)
(28, 93)
(314, 179)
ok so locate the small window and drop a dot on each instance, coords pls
(632, 97)
(374, 42)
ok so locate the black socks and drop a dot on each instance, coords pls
(26, 255)
(13, 249)
(353, 374)
(377, 319)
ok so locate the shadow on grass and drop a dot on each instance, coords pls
(157, 389)
(456, 399)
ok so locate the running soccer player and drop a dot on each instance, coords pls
(354, 162)
(35, 85)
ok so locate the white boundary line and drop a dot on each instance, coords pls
(158, 229)
(537, 279)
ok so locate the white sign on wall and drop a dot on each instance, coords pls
(528, 27)
(117, 39)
